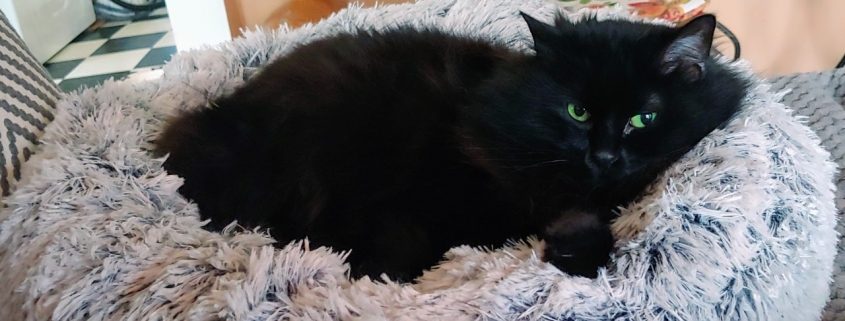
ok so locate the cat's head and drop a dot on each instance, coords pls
(606, 105)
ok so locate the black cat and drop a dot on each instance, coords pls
(402, 144)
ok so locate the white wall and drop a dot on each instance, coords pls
(786, 36)
(8, 9)
(48, 25)
(197, 23)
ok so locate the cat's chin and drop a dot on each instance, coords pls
(578, 243)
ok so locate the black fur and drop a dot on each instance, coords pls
(402, 144)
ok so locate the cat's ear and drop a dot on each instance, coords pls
(543, 34)
(687, 53)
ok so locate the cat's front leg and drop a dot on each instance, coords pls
(578, 243)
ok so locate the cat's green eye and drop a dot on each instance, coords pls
(643, 120)
(578, 113)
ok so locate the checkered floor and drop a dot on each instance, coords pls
(115, 50)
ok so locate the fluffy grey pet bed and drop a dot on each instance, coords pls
(742, 228)
(820, 97)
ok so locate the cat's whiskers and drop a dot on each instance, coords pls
(518, 150)
(541, 164)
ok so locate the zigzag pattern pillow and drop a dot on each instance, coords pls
(27, 101)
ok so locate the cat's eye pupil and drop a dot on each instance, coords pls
(578, 113)
(642, 120)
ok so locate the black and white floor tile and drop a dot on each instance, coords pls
(115, 50)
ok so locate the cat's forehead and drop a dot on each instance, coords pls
(624, 105)
(611, 48)
(614, 89)
(597, 32)
(611, 65)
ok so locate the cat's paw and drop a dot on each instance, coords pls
(578, 244)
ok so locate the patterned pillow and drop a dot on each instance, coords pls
(672, 10)
(27, 101)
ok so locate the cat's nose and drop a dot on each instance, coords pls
(604, 158)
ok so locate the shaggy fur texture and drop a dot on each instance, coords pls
(373, 142)
(742, 228)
